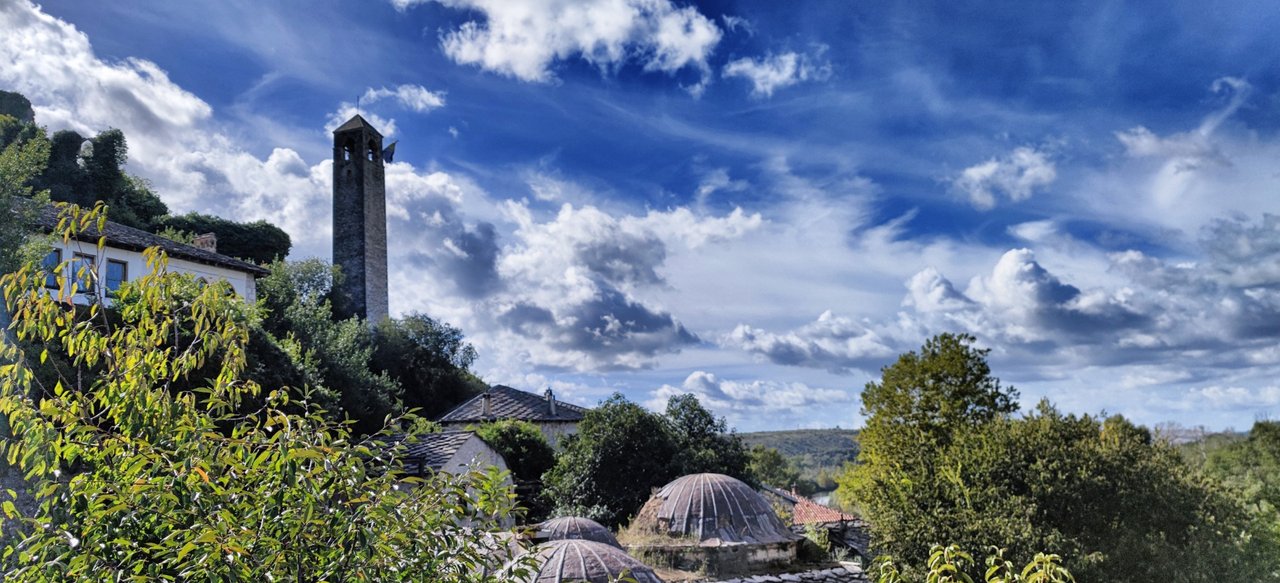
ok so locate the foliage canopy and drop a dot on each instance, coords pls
(943, 459)
(135, 480)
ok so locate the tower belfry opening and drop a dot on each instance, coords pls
(360, 221)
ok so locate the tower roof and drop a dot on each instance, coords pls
(355, 123)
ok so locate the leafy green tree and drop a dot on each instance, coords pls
(528, 456)
(1251, 468)
(769, 467)
(333, 356)
(135, 482)
(704, 442)
(943, 459)
(20, 162)
(17, 106)
(606, 471)
(429, 359)
(256, 242)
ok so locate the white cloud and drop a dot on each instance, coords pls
(831, 342)
(173, 141)
(1034, 231)
(773, 72)
(415, 97)
(718, 180)
(524, 39)
(784, 402)
(1017, 176)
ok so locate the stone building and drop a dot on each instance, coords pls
(584, 561)
(712, 524)
(573, 527)
(554, 418)
(360, 221)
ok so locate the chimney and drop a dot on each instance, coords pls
(486, 401)
(207, 241)
(551, 402)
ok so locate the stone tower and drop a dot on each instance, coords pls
(360, 221)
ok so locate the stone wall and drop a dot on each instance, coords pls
(719, 560)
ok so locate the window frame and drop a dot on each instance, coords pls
(88, 286)
(52, 273)
(124, 276)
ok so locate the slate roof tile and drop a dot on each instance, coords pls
(123, 237)
(509, 403)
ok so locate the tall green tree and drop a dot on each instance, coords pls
(1251, 468)
(136, 482)
(334, 356)
(944, 460)
(430, 360)
(769, 467)
(605, 471)
(704, 442)
(21, 160)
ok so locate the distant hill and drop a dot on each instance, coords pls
(812, 450)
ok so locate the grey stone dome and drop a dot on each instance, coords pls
(712, 509)
(573, 527)
(587, 561)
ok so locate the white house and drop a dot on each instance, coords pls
(121, 259)
(554, 418)
(454, 452)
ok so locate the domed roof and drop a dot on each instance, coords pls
(586, 561)
(572, 527)
(713, 509)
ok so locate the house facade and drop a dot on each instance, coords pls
(98, 273)
(553, 417)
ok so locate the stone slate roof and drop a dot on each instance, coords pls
(356, 122)
(577, 561)
(713, 510)
(433, 450)
(123, 237)
(508, 403)
(570, 527)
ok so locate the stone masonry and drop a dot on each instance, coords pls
(360, 221)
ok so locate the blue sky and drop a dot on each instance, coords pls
(761, 203)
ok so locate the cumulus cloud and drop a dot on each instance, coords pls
(756, 398)
(172, 139)
(778, 71)
(573, 285)
(831, 342)
(1017, 176)
(524, 39)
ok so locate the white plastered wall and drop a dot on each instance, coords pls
(242, 282)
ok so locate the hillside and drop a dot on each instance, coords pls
(811, 450)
